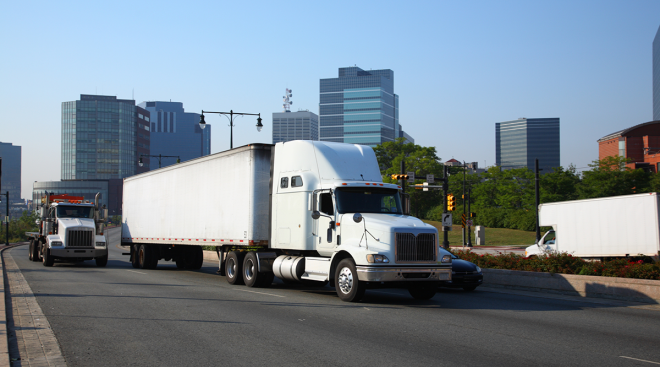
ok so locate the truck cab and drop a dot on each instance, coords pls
(70, 229)
(332, 209)
(547, 244)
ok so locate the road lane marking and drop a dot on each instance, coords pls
(637, 359)
(133, 271)
(267, 294)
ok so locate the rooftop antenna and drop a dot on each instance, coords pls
(287, 100)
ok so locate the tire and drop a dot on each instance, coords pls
(469, 288)
(146, 257)
(267, 279)
(234, 268)
(30, 247)
(194, 257)
(349, 288)
(134, 256)
(47, 258)
(102, 261)
(423, 291)
(180, 257)
(35, 251)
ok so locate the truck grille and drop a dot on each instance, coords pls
(421, 248)
(80, 238)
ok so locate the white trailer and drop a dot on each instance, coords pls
(617, 226)
(304, 211)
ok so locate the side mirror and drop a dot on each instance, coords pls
(357, 217)
(316, 214)
(37, 222)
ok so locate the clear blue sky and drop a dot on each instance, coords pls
(459, 66)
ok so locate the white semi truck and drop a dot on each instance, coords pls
(70, 229)
(616, 226)
(304, 211)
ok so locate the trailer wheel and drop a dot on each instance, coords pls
(235, 268)
(423, 291)
(30, 248)
(148, 259)
(267, 279)
(102, 261)
(36, 251)
(348, 286)
(134, 256)
(47, 258)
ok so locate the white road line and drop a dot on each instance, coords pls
(267, 294)
(133, 271)
(637, 359)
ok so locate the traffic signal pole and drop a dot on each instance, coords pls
(445, 188)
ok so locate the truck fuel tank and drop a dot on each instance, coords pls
(289, 267)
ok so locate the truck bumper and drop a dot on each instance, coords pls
(78, 252)
(402, 273)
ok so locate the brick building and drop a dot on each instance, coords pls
(640, 143)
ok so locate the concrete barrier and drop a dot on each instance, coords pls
(626, 289)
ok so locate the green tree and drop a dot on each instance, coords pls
(418, 159)
(559, 185)
(611, 177)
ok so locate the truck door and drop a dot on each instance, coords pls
(325, 228)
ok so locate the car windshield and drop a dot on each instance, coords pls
(71, 211)
(444, 252)
(368, 200)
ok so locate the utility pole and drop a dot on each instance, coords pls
(445, 188)
(469, 234)
(538, 200)
(464, 242)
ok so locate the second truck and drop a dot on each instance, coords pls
(304, 211)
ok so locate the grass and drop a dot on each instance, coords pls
(494, 236)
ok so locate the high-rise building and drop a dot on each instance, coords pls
(519, 142)
(403, 134)
(101, 137)
(656, 76)
(359, 107)
(10, 176)
(175, 132)
(301, 125)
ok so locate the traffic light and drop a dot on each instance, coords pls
(397, 176)
(451, 202)
(473, 215)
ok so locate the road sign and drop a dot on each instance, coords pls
(446, 219)
(463, 220)
(469, 222)
(411, 177)
(429, 179)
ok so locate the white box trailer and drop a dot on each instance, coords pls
(617, 226)
(305, 211)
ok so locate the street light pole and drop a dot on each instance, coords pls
(160, 157)
(445, 188)
(231, 113)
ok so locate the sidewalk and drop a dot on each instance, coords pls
(4, 345)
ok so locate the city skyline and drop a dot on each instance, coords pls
(461, 67)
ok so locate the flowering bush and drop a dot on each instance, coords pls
(562, 263)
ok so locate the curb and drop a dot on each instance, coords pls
(4, 340)
(624, 289)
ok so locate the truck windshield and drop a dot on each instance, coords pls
(368, 200)
(70, 211)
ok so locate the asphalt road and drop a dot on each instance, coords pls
(119, 316)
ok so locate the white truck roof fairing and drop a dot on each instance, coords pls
(332, 162)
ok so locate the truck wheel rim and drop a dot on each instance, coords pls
(249, 269)
(345, 280)
(231, 268)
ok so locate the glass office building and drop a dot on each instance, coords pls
(359, 107)
(100, 138)
(175, 132)
(301, 125)
(11, 177)
(110, 190)
(656, 76)
(518, 143)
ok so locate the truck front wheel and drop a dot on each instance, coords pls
(423, 290)
(348, 286)
(235, 268)
(46, 257)
(102, 261)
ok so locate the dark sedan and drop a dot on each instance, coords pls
(464, 274)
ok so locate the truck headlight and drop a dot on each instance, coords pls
(446, 259)
(377, 258)
(56, 243)
(100, 244)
